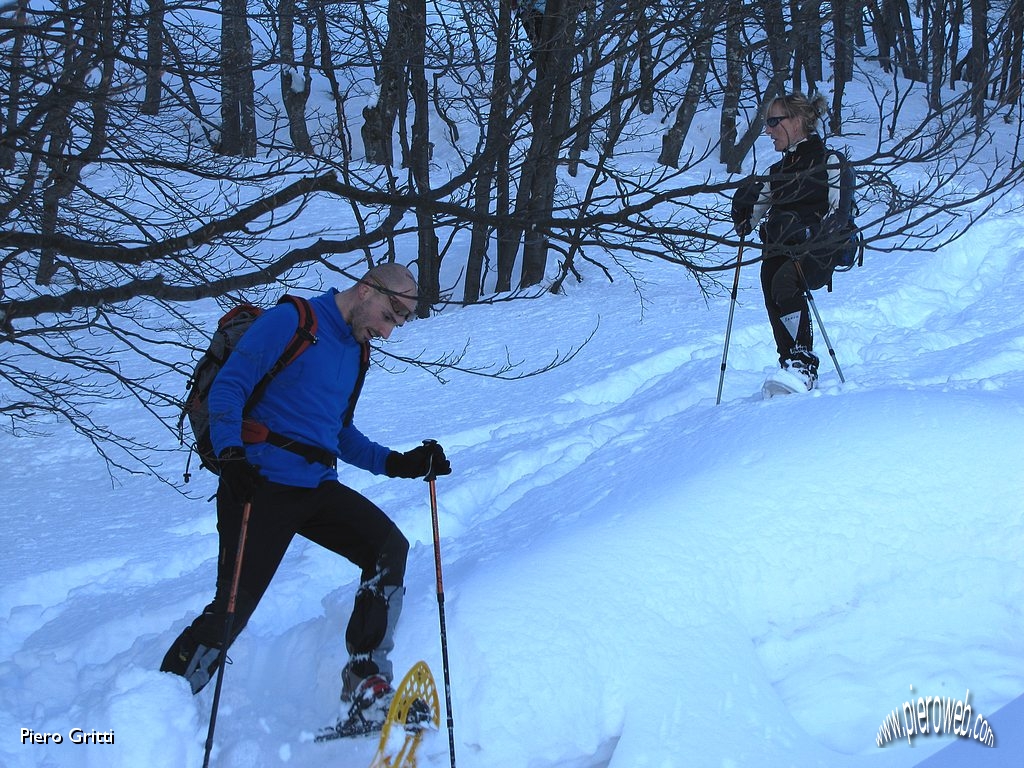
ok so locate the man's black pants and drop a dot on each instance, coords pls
(331, 515)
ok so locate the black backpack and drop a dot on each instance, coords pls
(842, 242)
(230, 329)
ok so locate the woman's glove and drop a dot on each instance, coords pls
(743, 202)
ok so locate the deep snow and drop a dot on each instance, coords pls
(634, 576)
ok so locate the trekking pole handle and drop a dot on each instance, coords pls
(431, 472)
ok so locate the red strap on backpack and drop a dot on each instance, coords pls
(302, 339)
(305, 333)
(254, 432)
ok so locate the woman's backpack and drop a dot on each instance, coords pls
(840, 239)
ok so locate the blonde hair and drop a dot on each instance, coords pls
(809, 110)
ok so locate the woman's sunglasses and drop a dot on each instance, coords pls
(775, 120)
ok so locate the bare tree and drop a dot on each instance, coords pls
(549, 122)
(807, 31)
(295, 75)
(493, 177)
(237, 91)
(779, 47)
(154, 57)
(427, 258)
(709, 17)
(978, 69)
(124, 219)
(844, 13)
(379, 117)
(1010, 71)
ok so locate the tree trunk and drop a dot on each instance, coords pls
(842, 65)
(550, 122)
(953, 53)
(589, 55)
(643, 30)
(89, 50)
(1012, 54)
(1015, 68)
(672, 141)
(496, 149)
(780, 52)
(885, 33)
(806, 16)
(379, 119)
(909, 58)
(936, 54)
(621, 76)
(733, 82)
(427, 260)
(326, 66)
(294, 83)
(17, 65)
(978, 69)
(154, 57)
(238, 107)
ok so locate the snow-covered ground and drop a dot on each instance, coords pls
(633, 575)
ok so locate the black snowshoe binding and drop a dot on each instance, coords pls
(369, 711)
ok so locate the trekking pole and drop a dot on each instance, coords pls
(817, 318)
(728, 327)
(229, 622)
(430, 478)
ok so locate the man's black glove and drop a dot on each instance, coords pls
(743, 202)
(240, 477)
(424, 459)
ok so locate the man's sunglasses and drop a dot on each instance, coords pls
(397, 307)
(775, 120)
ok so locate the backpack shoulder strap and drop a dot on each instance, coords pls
(364, 366)
(847, 182)
(848, 201)
(305, 332)
(301, 340)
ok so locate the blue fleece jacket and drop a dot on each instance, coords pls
(306, 401)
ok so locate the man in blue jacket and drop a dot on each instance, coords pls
(309, 401)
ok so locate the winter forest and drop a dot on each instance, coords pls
(558, 175)
(158, 154)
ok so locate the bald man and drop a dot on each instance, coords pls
(292, 481)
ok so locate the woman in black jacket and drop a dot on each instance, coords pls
(799, 193)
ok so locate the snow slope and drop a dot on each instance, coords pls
(633, 575)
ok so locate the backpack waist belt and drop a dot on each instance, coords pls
(254, 432)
